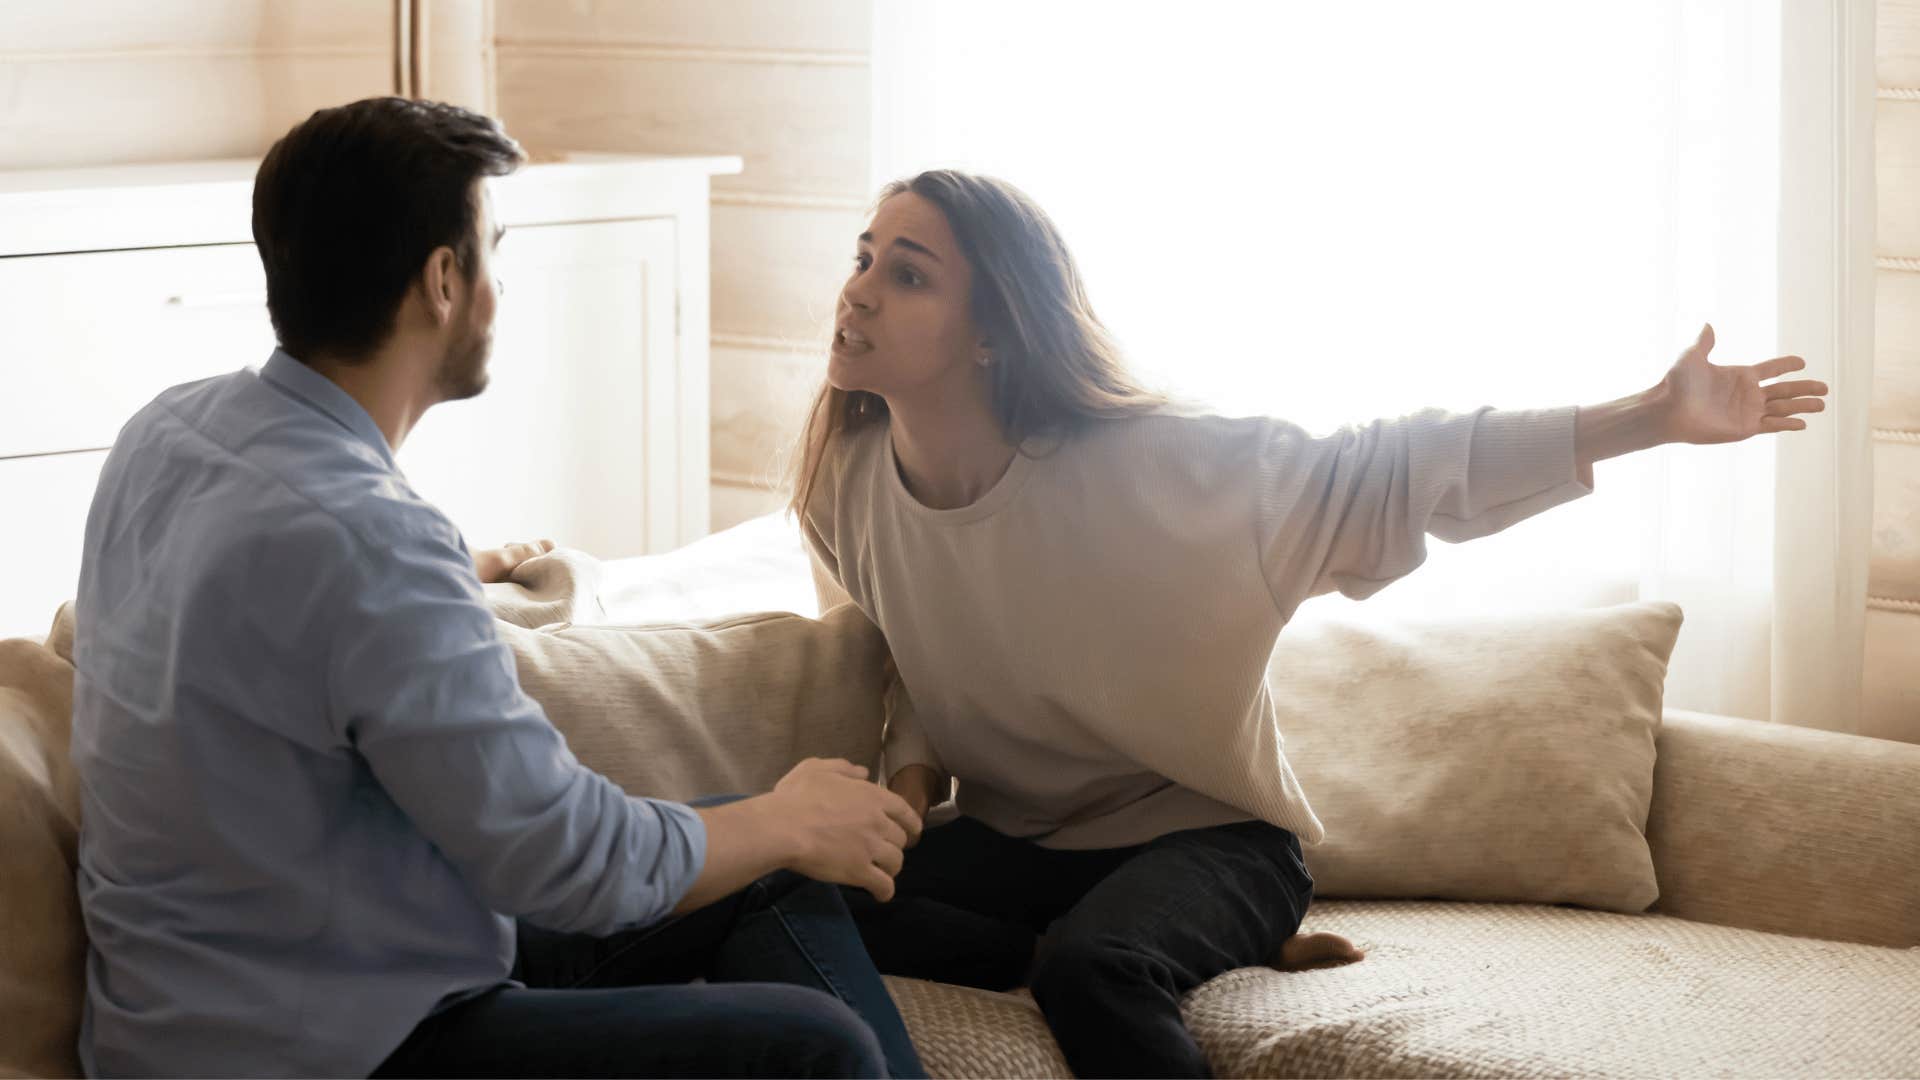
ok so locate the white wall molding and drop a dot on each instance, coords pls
(1824, 493)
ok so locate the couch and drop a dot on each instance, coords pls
(1784, 940)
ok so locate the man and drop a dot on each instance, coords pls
(316, 800)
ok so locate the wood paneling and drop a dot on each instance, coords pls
(117, 82)
(1897, 172)
(1896, 351)
(760, 399)
(826, 26)
(1896, 43)
(1895, 569)
(801, 128)
(459, 53)
(777, 272)
(116, 110)
(1890, 699)
(162, 25)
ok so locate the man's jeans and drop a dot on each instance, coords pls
(789, 992)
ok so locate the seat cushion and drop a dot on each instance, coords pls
(1458, 989)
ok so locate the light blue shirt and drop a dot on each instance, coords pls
(314, 796)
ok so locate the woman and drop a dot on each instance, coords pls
(1081, 586)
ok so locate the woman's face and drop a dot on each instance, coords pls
(905, 321)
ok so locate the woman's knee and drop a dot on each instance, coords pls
(1072, 963)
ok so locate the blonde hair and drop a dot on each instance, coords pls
(1055, 365)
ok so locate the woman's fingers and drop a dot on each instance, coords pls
(1789, 406)
(1797, 388)
(1770, 424)
(1778, 366)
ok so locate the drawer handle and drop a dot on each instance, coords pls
(242, 298)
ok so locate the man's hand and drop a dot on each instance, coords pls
(842, 828)
(497, 564)
(918, 786)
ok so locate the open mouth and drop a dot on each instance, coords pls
(846, 339)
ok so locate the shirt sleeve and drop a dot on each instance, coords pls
(424, 689)
(1351, 511)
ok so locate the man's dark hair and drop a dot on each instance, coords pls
(348, 205)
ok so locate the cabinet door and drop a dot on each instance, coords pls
(576, 437)
(88, 339)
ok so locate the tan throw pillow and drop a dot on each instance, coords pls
(1498, 758)
(43, 946)
(678, 711)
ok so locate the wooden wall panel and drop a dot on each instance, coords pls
(1891, 693)
(802, 128)
(777, 271)
(1895, 572)
(1897, 171)
(834, 27)
(1896, 352)
(118, 82)
(760, 396)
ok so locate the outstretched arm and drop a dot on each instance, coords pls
(1698, 402)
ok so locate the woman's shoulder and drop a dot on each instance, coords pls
(1178, 424)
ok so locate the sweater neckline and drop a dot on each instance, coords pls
(997, 496)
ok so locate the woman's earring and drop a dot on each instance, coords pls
(986, 358)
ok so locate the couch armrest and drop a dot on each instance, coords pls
(1787, 829)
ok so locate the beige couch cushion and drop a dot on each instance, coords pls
(1788, 829)
(681, 710)
(1504, 990)
(1505, 758)
(43, 945)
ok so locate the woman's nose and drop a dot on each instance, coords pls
(856, 295)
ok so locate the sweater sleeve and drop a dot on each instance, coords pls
(904, 742)
(1351, 511)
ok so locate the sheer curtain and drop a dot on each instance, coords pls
(1334, 212)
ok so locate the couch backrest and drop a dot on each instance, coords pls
(42, 946)
(1787, 829)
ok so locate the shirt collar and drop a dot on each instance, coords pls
(326, 396)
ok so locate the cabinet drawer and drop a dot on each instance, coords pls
(87, 339)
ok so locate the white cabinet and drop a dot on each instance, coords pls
(117, 283)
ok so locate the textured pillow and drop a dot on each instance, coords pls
(677, 711)
(1499, 758)
(43, 946)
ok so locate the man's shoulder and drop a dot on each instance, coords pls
(273, 472)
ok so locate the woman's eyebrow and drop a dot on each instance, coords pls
(901, 241)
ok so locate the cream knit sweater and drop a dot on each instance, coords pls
(1085, 647)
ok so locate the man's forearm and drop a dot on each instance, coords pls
(745, 842)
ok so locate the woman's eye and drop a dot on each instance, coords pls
(862, 261)
(907, 277)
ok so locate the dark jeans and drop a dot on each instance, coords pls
(1127, 931)
(790, 992)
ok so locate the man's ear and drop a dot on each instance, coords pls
(438, 280)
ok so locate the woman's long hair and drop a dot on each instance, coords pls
(1055, 366)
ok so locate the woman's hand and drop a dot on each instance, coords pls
(1698, 402)
(918, 786)
(497, 564)
(1708, 403)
